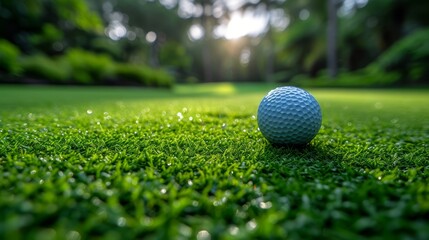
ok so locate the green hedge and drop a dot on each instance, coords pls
(144, 75)
(42, 67)
(9, 58)
(408, 57)
(367, 77)
(89, 68)
(78, 66)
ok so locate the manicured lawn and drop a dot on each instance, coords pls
(127, 163)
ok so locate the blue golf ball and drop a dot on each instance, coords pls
(289, 116)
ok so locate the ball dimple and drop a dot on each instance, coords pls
(289, 115)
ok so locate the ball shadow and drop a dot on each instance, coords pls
(305, 162)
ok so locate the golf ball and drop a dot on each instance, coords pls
(289, 116)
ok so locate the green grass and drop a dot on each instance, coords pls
(79, 163)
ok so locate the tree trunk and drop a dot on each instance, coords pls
(332, 38)
(207, 48)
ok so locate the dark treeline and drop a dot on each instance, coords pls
(152, 42)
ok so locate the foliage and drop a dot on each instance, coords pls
(9, 58)
(119, 29)
(174, 55)
(42, 67)
(87, 67)
(78, 66)
(131, 163)
(48, 26)
(368, 77)
(408, 57)
(109, 47)
(48, 36)
(289, 46)
(78, 13)
(144, 75)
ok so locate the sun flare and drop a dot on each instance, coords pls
(241, 25)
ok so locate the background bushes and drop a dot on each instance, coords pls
(89, 68)
(409, 58)
(42, 67)
(9, 58)
(144, 75)
(76, 66)
(368, 77)
(405, 63)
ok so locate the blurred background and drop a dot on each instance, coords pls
(157, 43)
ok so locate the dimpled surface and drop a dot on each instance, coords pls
(289, 115)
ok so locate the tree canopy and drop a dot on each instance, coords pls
(217, 40)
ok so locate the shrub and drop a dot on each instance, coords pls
(160, 78)
(42, 67)
(143, 75)
(89, 68)
(367, 77)
(9, 58)
(408, 57)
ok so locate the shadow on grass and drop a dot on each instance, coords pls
(302, 162)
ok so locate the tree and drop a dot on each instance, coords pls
(48, 26)
(332, 38)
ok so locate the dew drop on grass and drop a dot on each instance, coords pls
(185, 230)
(163, 191)
(203, 235)
(378, 105)
(96, 201)
(233, 230)
(250, 225)
(89, 111)
(265, 205)
(180, 116)
(243, 165)
(121, 222)
(73, 235)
